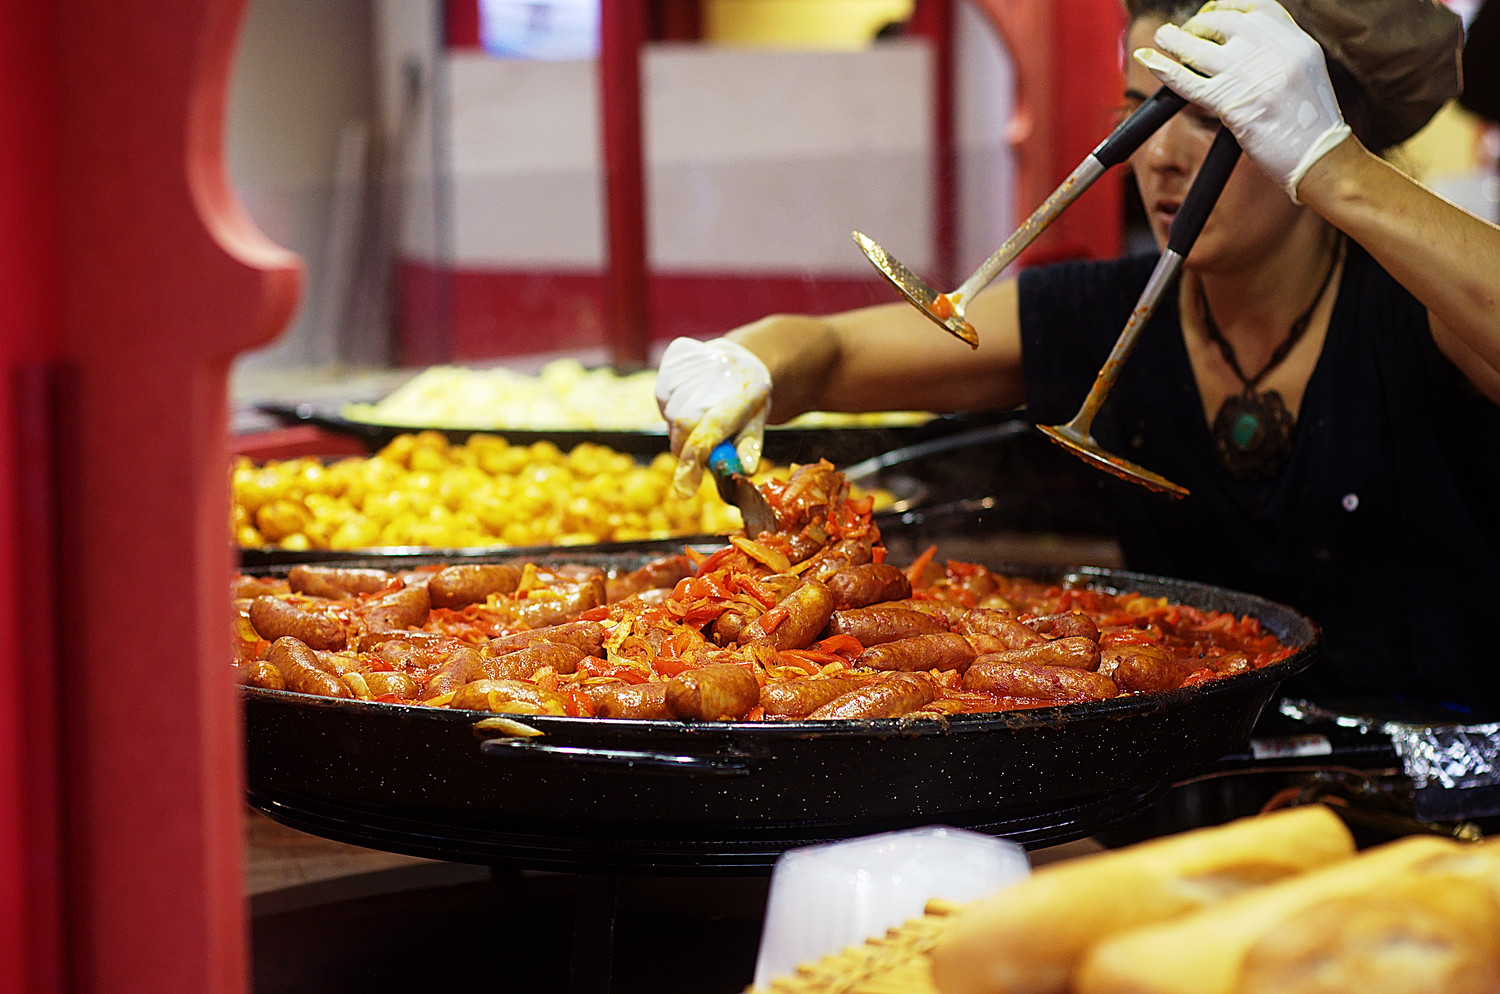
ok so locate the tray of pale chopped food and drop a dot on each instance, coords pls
(567, 404)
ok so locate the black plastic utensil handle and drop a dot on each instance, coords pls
(1142, 123)
(1207, 185)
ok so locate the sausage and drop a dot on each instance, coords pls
(471, 583)
(808, 609)
(795, 698)
(836, 556)
(336, 582)
(727, 626)
(887, 698)
(938, 651)
(523, 664)
(511, 696)
(1000, 624)
(1064, 624)
(713, 693)
(378, 641)
(246, 587)
(404, 608)
(1037, 682)
(634, 700)
(868, 583)
(1143, 667)
(663, 572)
(544, 607)
(389, 683)
(880, 623)
(1075, 651)
(949, 611)
(459, 665)
(299, 668)
(276, 617)
(586, 635)
(261, 673)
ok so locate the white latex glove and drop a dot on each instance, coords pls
(1262, 75)
(707, 392)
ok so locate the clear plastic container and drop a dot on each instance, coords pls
(828, 897)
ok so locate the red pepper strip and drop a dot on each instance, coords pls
(598, 667)
(1200, 675)
(672, 665)
(841, 645)
(756, 713)
(595, 614)
(877, 554)
(390, 699)
(773, 618)
(919, 566)
(715, 559)
(577, 704)
(756, 589)
(810, 659)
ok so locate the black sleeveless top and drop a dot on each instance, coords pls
(1384, 526)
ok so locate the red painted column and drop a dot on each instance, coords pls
(164, 281)
(622, 26)
(933, 20)
(31, 853)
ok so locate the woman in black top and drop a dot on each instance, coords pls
(1325, 379)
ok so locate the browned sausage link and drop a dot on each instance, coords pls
(274, 618)
(404, 608)
(260, 673)
(949, 611)
(663, 572)
(471, 583)
(378, 641)
(299, 667)
(1075, 652)
(869, 583)
(1038, 683)
(585, 635)
(835, 556)
(560, 602)
(1143, 667)
(888, 698)
(939, 651)
(461, 665)
(728, 626)
(1064, 624)
(988, 621)
(515, 696)
(336, 582)
(795, 698)
(246, 587)
(634, 700)
(879, 623)
(389, 683)
(523, 664)
(713, 693)
(1228, 664)
(808, 609)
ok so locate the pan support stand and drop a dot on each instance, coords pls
(594, 912)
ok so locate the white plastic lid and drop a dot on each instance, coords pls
(828, 897)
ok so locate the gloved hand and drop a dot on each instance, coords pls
(1265, 78)
(707, 392)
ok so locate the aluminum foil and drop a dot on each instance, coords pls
(1437, 758)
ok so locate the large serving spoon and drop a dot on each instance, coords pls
(737, 489)
(947, 309)
(1186, 224)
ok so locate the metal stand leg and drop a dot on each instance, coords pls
(593, 954)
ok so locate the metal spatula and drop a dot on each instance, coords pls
(1074, 436)
(737, 489)
(947, 309)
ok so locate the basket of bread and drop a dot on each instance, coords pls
(1278, 903)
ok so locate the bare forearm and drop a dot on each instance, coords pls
(1448, 258)
(888, 357)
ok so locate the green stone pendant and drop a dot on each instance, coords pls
(1253, 435)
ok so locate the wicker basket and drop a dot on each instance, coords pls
(894, 963)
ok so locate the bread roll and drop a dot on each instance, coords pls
(1030, 937)
(1421, 914)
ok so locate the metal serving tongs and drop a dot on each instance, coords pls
(1188, 222)
(947, 309)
